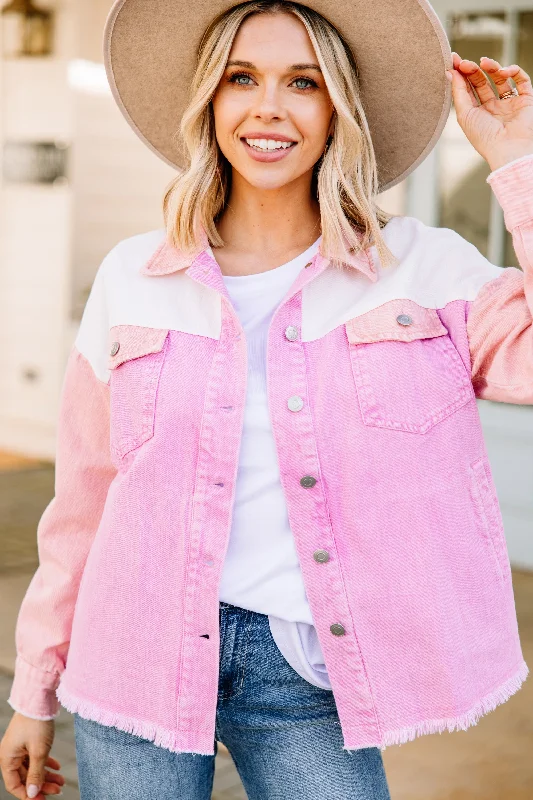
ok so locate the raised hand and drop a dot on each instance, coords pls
(499, 129)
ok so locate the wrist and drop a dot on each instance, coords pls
(498, 160)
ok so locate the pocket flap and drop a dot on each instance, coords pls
(400, 320)
(132, 341)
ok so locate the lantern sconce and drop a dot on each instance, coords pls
(26, 30)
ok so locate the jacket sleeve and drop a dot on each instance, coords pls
(499, 319)
(83, 473)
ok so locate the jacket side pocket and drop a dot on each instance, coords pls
(485, 499)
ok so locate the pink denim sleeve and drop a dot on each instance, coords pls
(83, 472)
(499, 322)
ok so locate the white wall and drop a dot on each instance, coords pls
(53, 238)
(118, 186)
(35, 224)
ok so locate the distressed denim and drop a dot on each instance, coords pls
(283, 734)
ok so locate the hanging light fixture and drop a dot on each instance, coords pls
(26, 30)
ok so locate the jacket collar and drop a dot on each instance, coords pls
(167, 259)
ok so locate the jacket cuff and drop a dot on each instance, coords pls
(513, 186)
(33, 691)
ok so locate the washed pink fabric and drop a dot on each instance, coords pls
(120, 621)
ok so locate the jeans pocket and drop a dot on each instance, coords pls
(136, 358)
(407, 371)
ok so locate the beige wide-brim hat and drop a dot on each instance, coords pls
(400, 46)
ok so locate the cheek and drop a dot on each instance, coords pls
(313, 123)
(228, 115)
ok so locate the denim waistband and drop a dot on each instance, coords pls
(229, 608)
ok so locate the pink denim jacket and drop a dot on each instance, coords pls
(385, 467)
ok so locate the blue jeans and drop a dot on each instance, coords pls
(283, 734)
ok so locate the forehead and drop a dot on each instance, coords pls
(280, 36)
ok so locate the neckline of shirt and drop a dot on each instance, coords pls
(288, 266)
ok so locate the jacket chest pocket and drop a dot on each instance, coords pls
(136, 356)
(407, 371)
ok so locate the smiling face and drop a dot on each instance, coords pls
(273, 113)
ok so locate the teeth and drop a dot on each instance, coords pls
(268, 144)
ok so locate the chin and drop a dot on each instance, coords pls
(266, 181)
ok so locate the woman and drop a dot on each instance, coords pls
(274, 512)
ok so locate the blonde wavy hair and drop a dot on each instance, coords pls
(345, 180)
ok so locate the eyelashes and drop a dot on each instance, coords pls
(233, 79)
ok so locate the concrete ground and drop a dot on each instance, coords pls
(491, 761)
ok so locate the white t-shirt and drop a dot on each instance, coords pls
(261, 570)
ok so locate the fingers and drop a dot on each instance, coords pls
(464, 83)
(53, 781)
(519, 76)
(498, 75)
(464, 97)
(477, 78)
(12, 782)
(36, 769)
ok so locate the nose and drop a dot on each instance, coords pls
(267, 102)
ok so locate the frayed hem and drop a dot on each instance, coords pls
(162, 737)
(464, 721)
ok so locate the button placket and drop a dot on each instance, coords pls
(211, 516)
(311, 522)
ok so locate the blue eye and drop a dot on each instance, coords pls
(307, 80)
(237, 75)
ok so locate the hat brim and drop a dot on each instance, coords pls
(401, 49)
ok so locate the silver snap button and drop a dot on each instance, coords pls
(115, 347)
(404, 319)
(295, 403)
(321, 556)
(307, 481)
(337, 630)
(291, 333)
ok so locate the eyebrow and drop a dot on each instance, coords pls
(292, 68)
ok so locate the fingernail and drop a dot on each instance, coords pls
(449, 75)
(33, 790)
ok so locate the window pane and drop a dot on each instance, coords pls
(464, 196)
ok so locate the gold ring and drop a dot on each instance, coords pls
(510, 93)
